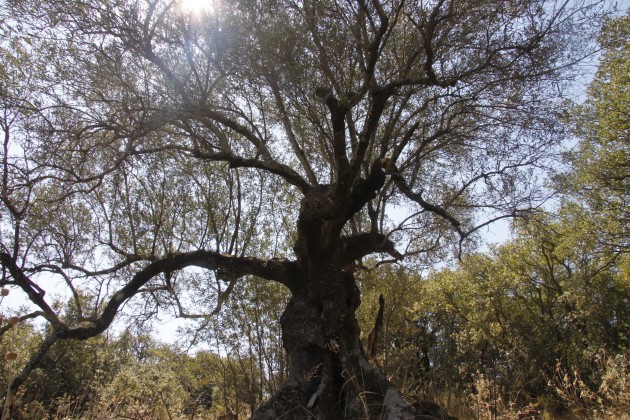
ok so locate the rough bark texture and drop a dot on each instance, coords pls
(329, 375)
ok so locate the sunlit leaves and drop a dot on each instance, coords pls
(599, 177)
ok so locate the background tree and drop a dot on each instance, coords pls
(247, 333)
(546, 301)
(538, 323)
(599, 178)
(158, 156)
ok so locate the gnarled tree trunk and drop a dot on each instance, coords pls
(329, 376)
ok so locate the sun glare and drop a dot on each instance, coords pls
(197, 5)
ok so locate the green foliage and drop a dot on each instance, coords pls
(401, 348)
(609, 397)
(247, 331)
(559, 300)
(493, 332)
(144, 390)
(134, 376)
(490, 335)
(69, 368)
(600, 174)
(16, 346)
(170, 384)
(130, 376)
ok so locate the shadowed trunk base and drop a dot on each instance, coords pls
(329, 376)
(288, 404)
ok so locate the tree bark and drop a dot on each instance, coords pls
(329, 375)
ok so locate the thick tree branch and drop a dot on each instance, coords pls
(6, 327)
(374, 49)
(274, 269)
(30, 288)
(338, 113)
(365, 190)
(433, 208)
(278, 270)
(364, 244)
(284, 171)
(225, 121)
(33, 362)
(377, 105)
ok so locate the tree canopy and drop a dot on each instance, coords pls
(153, 156)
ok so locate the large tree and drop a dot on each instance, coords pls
(156, 155)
